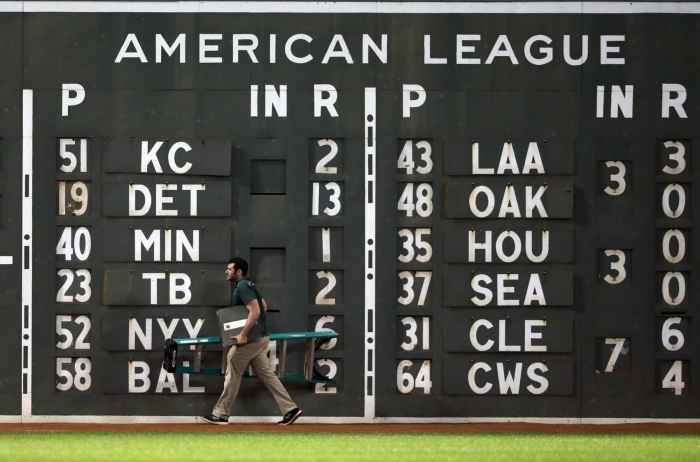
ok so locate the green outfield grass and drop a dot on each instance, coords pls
(252, 447)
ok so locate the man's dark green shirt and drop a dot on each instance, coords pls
(244, 292)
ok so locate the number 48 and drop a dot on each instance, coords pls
(418, 198)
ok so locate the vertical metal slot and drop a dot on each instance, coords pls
(26, 257)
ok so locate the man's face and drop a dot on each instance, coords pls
(232, 274)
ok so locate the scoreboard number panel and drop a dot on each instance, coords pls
(209, 157)
(493, 242)
(614, 355)
(73, 374)
(486, 156)
(495, 225)
(501, 331)
(512, 198)
(166, 199)
(498, 376)
(508, 286)
(158, 287)
(152, 242)
(73, 198)
(73, 156)
(73, 332)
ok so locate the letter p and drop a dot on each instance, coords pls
(413, 96)
(72, 94)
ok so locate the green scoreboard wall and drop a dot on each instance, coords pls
(492, 204)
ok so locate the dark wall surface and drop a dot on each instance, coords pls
(473, 317)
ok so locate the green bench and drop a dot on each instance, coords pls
(312, 341)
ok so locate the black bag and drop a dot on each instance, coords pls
(169, 357)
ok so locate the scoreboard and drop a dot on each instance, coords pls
(493, 204)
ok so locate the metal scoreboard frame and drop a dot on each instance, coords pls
(508, 224)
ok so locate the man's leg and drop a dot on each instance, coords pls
(237, 361)
(263, 370)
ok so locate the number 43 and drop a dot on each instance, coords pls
(425, 152)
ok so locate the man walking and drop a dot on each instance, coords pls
(250, 348)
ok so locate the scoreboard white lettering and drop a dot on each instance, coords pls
(499, 250)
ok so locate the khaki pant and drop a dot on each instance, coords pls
(238, 358)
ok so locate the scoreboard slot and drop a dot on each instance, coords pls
(508, 286)
(139, 198)
(505, 376)
(209, 157)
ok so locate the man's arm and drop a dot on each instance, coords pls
(253, 316)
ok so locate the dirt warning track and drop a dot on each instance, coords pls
(677, 428)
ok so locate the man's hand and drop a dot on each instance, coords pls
(240, 339)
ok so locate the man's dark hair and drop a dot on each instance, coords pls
(239, 264)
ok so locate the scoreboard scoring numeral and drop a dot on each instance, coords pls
(72, 197)
(618, 346)
(320, 327)
(616, 177)
(69, 160)
(411, 238)
(411, 333)
(71, 374)
(676, 156)
(408, 279)
(322, 164)
(83, 277)
(407, 383)
(68, 340)
(673, 236)
(424, 150)
(322, 295)
(334, 207)
(673, 299)
(673, 200)
(672, 339)
(617, 266)
(326, 388)
(673, 379)
(74, 241)
(416, 197)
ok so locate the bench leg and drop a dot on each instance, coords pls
(309, 359)
(197, 360)
(283, 359)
